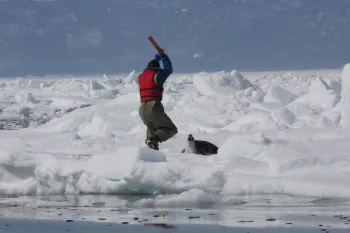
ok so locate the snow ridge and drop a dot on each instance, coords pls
(86, 136)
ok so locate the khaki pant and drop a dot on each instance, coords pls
(157, 121)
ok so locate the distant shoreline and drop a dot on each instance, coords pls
(123, 74)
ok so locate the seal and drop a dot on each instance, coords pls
(199, 147)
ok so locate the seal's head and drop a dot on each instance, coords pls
(190, 138)
(191, 144)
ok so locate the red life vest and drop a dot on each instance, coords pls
(149, 90)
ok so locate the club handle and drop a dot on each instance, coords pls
(154, 43)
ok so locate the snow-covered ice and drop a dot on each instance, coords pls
(278, 133)
(345, 96)
(93, 144)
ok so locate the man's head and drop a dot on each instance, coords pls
(153, 63)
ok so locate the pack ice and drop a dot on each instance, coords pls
(277, 132)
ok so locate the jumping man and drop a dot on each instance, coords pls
(160, 128)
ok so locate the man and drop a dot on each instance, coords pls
(160, 128)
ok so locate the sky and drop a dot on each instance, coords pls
(108, 36)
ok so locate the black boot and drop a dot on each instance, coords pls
(152, 142)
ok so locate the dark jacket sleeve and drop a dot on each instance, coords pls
(167, 70)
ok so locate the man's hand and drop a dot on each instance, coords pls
(156, 46)
(161, 51)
